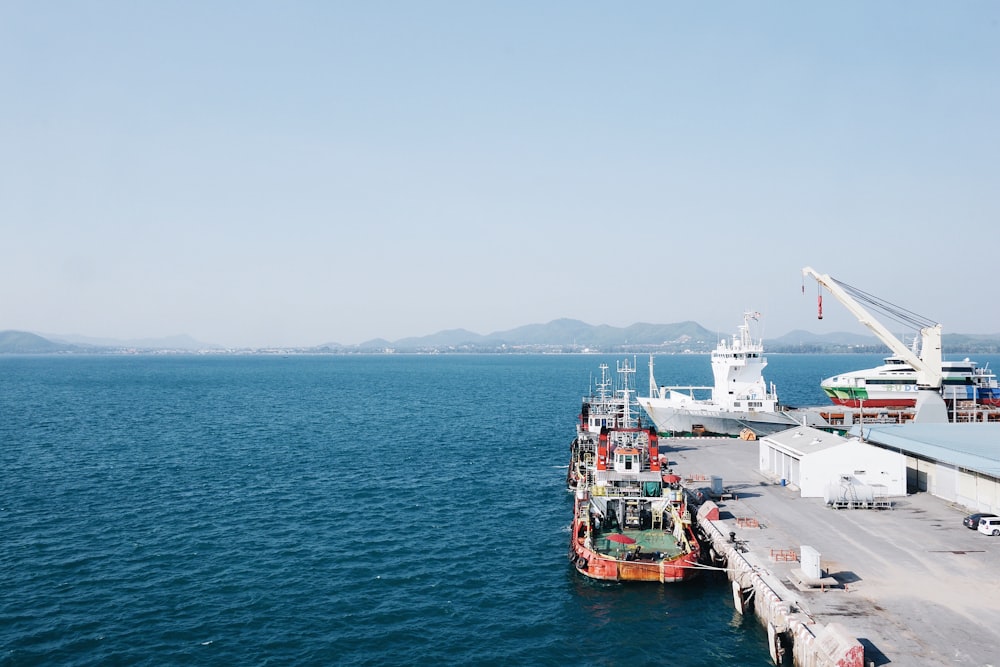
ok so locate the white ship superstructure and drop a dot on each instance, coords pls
(739, 400)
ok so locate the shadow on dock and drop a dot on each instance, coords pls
(873, 656)
(845, 577)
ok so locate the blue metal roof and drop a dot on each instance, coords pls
(974, 446)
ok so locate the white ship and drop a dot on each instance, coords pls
(894, 385)
(740, 399)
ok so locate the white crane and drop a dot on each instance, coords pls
(927, 364)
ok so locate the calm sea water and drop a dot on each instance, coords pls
(381, 510)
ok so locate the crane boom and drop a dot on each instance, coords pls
(927, 365)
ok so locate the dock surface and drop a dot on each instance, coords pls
(912, 584)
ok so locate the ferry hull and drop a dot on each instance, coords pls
(885, 399)
(882, 402)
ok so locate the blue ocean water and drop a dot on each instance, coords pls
(318, 510)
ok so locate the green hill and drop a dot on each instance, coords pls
(22, 342)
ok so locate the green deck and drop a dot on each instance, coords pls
(649, 542)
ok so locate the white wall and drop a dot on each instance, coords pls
(867, 464)
(975, 491)
(776, 463)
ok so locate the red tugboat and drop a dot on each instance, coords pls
(610, 405)
(631, 521)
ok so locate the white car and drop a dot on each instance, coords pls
(990, 525)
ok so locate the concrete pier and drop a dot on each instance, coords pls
(909, 585)
(789, 629)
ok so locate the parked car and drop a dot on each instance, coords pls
(990, 525)
(972, 521)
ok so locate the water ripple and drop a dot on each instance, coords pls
(313, 510)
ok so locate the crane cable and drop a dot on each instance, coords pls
(892, 311)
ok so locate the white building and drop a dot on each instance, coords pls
(816, 462)
(957, 462)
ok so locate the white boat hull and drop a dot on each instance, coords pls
(718, 421)
(740, 398)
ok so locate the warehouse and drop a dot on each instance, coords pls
(956, 462)
(815, 460)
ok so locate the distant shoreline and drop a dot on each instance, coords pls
(558, 337)
(304, 352)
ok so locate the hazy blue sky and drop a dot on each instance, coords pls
(295, 173)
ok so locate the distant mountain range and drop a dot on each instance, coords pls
(563, 335)
(23, 342)
(804, 341)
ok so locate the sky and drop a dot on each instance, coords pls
(260, 174)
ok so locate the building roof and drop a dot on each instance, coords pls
(974, 446)
(805, 439)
